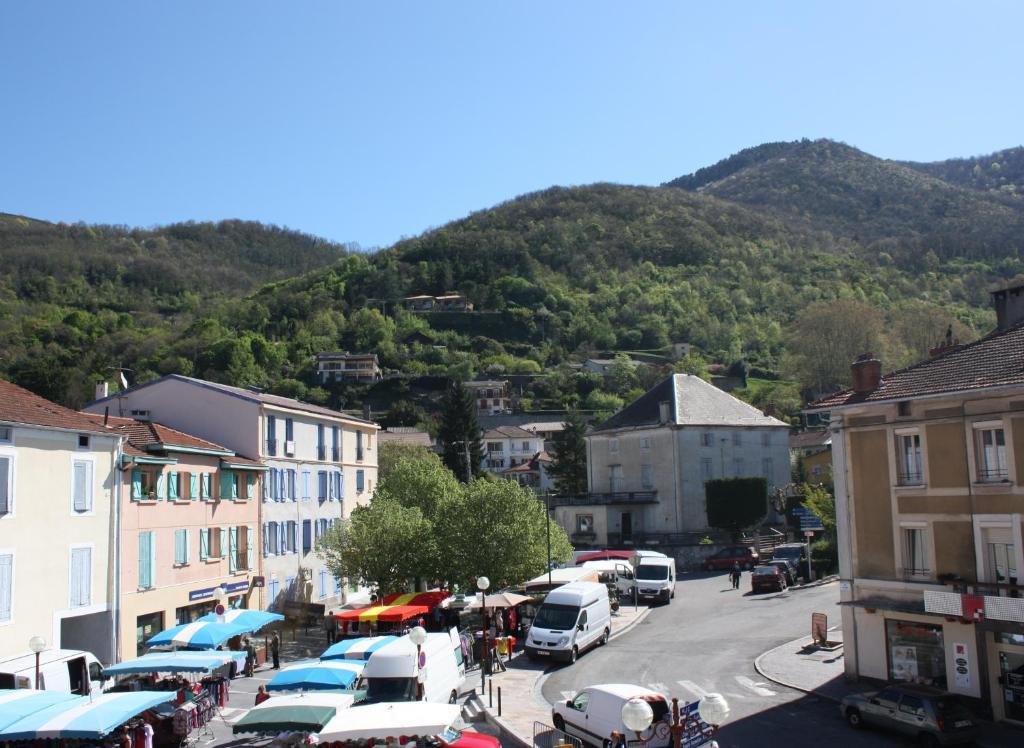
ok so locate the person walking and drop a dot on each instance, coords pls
(331, 627)
(250, 658)
(735, 576)
(275, 650)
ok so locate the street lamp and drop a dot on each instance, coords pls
(37, 644)
(482, 583)
(418, 636)
(713, 710)
(637, 716)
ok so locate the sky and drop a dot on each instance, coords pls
(366, 122)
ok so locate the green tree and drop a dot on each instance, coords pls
(818, 499)
(694, 364)
(417, 479)
(459, 433)
(389, 454)
(569, 455)
(621, 374)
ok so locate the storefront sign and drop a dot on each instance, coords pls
(962, 666)
(819, 627)
(258, 582)
(208, 591)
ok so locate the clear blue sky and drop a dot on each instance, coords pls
(370, 121)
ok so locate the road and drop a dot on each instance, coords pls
(706, 641)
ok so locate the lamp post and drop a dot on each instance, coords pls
(37, 644)
(482, 583)
(713, 710)
(418, 636)
(547, 518)
(637, 716)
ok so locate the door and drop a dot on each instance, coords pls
(78, 676)
(627, 526)
(1011, 676)
(911, 715)
(576, 715)
(582, 631)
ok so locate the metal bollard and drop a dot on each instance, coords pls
(499, 701)
(490, 693)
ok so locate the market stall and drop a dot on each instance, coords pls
(252, 620)
(179, 661)
(305, 712)
(356, 649)
(395, 612)
(317, 676)
(388, 722)
(84, 718)
(197, 635)
(19, 703)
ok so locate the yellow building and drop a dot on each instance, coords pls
(928, 467)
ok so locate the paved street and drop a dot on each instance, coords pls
(706, 641)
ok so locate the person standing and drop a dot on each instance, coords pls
(261, 695)
(275, 650)
(735, 576)
(250, 658)
(331, 627)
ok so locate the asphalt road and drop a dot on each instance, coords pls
(706, 641)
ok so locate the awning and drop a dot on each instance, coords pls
(430, 599)
(199, 635)
(390, 720)
(887, 603)
(19, 703)
(397, 613)
(171, 662)
(307, 712)
(317, 676)
(356, 649)
(252, 620)
(85, 718)
(395, 607)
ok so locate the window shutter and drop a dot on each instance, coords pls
(248, 548)
(223, 541)
(359, 480)
(265, 546)
(305, 484)
(204, 482)
(225, 485)
(322, 484)
(80, 576)
(266, 486)
(250, 486)
(293, 531)
(81, 486)
(5, 495)
(232, 550)
(292, 493)
(307, 536)
(145, 570)
(323, 583)
(137, 484)
(204, 544)
(161, 486)
(172, 485)
(193, 485)
(282, 538)
(6, 583)
(340, 477)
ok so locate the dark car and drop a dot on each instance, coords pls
(746, 557)
(767, 578)
(787, 568)
(795, 552)
(930, 716)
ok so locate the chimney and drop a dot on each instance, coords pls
(867, 373)
(102, 390)
(665, 411)
(1009, 305)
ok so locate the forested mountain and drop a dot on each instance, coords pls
(1000, 174)
(728, 264)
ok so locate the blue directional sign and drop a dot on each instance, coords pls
(801, 511)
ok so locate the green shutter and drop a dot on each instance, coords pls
(193, 486)
(204, 544)
(206, 485)
(250, 486)
(145, 560)
(225, 485)
(172, 485)
(161, 486)
(223, 541)
(137, 484)
(233, 550)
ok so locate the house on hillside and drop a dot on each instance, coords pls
(321, 464)
(533, 473)
(405, 435)
(811, 452)
(508, 446)
(929, 486)
(58, 471)
(648, 463)
(420, 303)
(493, 396)
(362, 368)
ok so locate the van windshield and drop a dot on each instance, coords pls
(555, 616)
(391, 689)
(652, 572)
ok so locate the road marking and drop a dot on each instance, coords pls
(689, 685)
(758, 688)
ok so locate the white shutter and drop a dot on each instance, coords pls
(81, 577)
(80, 485)
(6, 586)
(5, 494)
(248, 548)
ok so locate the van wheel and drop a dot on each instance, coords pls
(574, 654)
(853, 719)
(453, 698)
(604, 638)
(559, 723)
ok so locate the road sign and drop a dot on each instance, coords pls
(801, 511)
(808, 533)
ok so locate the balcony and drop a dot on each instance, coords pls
(977, 601)
(595, 499)
(910, 478)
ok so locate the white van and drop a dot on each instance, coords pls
(572, 618)
(69, 670)
(594, 713)
(620, 573)
(656, 578)
(391, 673)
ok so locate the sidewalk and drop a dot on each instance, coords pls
(821, 673)
(521, 701)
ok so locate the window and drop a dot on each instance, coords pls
(613, 445)
(321, 448)
(81, 486)
(291, 484)
(228, 485)
(147, 559)
(5, 434)
(707, 439)
(323, 584)
(289, 430)
(335, 444)
(916, 654)
(181, 547)
(83, 441)
(240, 553)
(495, 447)
(360, 481)
(1000, 555)
(526, 446)
(580, 702)
(305, 485)
(321, 479)
(307, 536)
(206, 486)
(271, 435)
(172, 486)
(6, 485)
(614, 478)
(646, 476)
(912, 705)
(6, 587)
(706, 468)
(991, 446)
(908, 456)
(272, 538)
(339, 486)
(359, 446)
(585, 523)
(81, 577)
(737, 439)
(903, 408)
(645, 443)
(915, 557)
(290, 536)
(766, 438)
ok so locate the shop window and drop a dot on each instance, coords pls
(909, 468)
(916, 653)
(584, 523)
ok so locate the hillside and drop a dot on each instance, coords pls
(1000, 174)
(905, 211)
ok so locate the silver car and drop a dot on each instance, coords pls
(925, 714)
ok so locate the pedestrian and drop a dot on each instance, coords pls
(261, 695)
(331, 627)
(275, 650)
(126, 738)
(735, 576)
(250, 657)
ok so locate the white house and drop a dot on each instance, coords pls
(322, 464)
(508, 446)
(57, 480)
(647, 464)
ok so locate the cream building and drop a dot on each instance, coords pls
(57, 519)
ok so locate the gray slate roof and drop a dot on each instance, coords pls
(692, 402)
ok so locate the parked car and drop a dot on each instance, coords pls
(795, 552)
(746, 557)
(925, 714)
(787, 567)
(767, 578)
(595, 712)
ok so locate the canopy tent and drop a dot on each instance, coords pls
(396, 607)
(317, 676)
(356, 649)
(390, 720)
(306, 711)
(430, 599)
(499, 600)
(172, 662)
(19, 703)
(253, 620)
(558, 577)
(198, 635)
(84, 718)
(604, 556)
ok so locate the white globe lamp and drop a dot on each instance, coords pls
(713, 709)
(418, 636)
(637, 715)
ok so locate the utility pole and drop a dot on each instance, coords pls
(469, 468)
(547, 517)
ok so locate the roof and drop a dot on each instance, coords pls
(996, 360)
(692, 402)
(486, 383)
(18, 405)
(532, 465)
(537, 426)
(509, 432)
(345, 355)
(810, 439)
(404, 435)
(244, 394)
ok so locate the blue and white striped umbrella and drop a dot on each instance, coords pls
(84, 718)
(198, 635)
(172, 662)
(356, 649)
(19, 703)
(331, 675)
(253, 620)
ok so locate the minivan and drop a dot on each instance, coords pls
(70, 670)
(391, 673)
(618, 573)
(656, 578)
(594, 713)
(571, 619)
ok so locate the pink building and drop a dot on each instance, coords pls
(189, 524)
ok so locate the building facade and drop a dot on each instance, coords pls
(362, 368)
(57, 502)
(929, 481)
(320, 463)
(508, 446)
(648, 463)
(493, 396)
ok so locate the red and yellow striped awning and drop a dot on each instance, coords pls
(396, 607)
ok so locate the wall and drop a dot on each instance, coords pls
(872, 492)
(947, 457)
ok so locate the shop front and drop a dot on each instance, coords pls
(1006, 665)
(916, 653)
(201, 601)
(146, 626)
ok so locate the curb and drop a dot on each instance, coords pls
(764, 674)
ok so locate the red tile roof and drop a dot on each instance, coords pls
(997, 360)
(18, 405)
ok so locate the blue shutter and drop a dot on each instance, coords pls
(145, 560)
(232, 550)
(266, 546)
(293, 533)
(266, 486)
(307, 536)
(305, 484)
(172, 485)
(323, 584)
(272, 593)
(223, 541)
(359, 481)
(204, 544)
(321, 477)
(292, 493)
(136, 484)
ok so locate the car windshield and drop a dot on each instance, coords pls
(391, 689)
(555, 616)
(652, 572)
(787, 553)
(765, 571)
